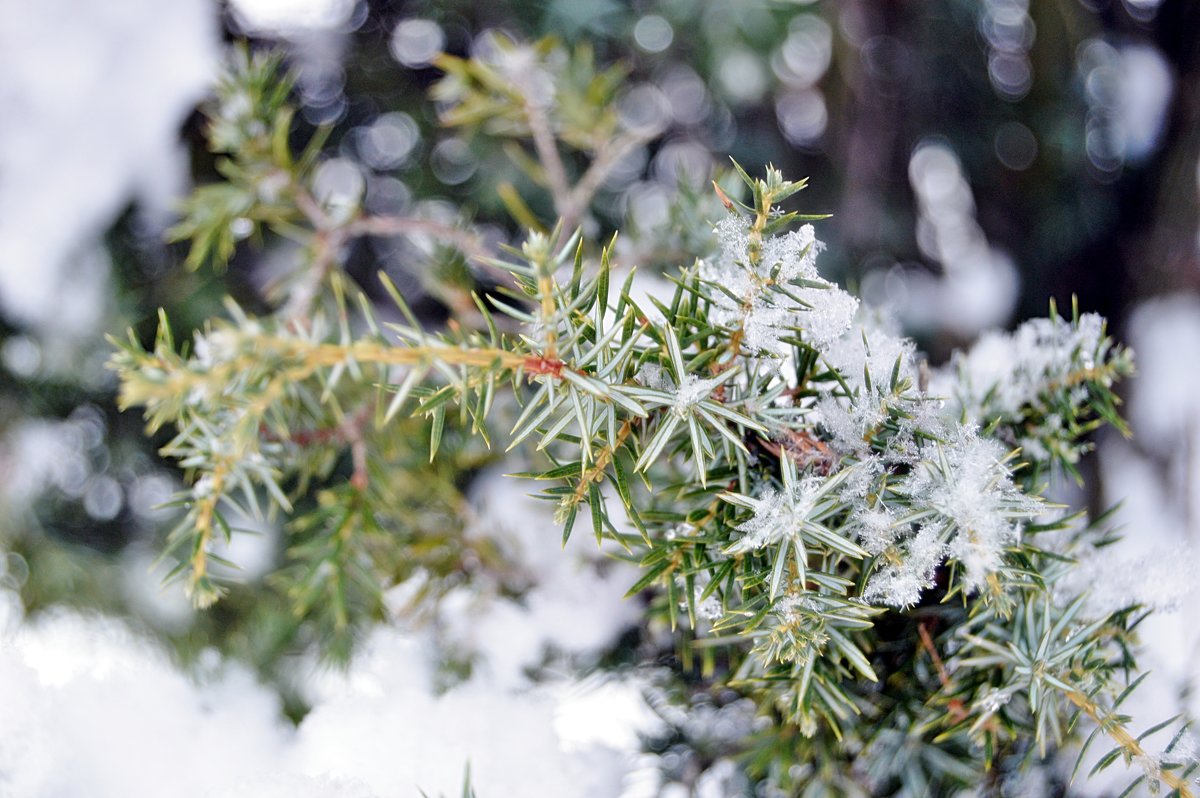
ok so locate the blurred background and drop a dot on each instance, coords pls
(979, 159)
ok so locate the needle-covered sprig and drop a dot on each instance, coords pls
(847, 538)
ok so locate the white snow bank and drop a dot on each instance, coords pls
(91, 708)
(92, 98)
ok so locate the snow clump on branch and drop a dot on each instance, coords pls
(770, 292)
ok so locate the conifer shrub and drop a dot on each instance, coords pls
(856, 542)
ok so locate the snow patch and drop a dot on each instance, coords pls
(93, 104)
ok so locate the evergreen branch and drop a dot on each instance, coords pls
(1130, 746)
(609, 155)
(465, 240)
(809, 509)
(546, 145)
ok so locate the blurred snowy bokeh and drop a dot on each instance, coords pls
(1156, 476)
(979, 285)
(91, 123)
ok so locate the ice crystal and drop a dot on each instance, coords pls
(1185, 751)
(733, 236)
(779, 514)
(1035, 381)
(868, 350)
(686, 395)
(793, 253)
(830, 313)
(654, 376)
(866, 358)
(901, 583)
(710, 609)
(1151, 765)
(971, 510)
(204, 487)
(795, 514)
(751, 299)
(860, 481)
(220, 345)
(850, 422)
(763, 327)
(876, 528)
(692, 391)
(967, 484)
(993, 700)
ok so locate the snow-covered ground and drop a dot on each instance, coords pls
(90, 707)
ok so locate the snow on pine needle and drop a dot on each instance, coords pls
(769, 289)
(1044, 386)
(968, 509)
